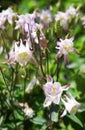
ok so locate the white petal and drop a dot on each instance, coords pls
(66, 87)
(64, 113)
(47, 102)
(57, 99)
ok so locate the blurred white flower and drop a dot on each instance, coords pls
(6, 15)
(53, 92)
(71, 12)
(45, 17)
(27, 110)
(71, 105)
(22, 22)
(63, 19)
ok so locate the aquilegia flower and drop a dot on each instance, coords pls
(71, 105)
(27, 24)
(45, 17)
(53, 92)
(27, 110)
(6, 15)
(23, 54)
(63, 19)
(65, 47)
(71, 12)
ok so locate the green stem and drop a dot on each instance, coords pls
(5, 46)
(4, 79)
(40, 61)
(47, 63)
(50, 122)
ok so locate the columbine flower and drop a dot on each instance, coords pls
(53, 92)
(6, 15)
(83, 21)
(27, 110)
(23, 54)
(65, 47)
(71, 105)
(27, 24)
(71, 12)
(63, 19)
(45, 17)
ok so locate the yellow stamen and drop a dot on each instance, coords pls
(23, 56)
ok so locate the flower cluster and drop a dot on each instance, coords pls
(54, 92)
(32, 45)
(64, 17)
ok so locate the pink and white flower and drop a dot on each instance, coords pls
(23, 54)
(53, 92)
(63, 19)
(71, 105)
(6, 15)
(27, 24)
(65, 47)
(45, 17)
(71, 12)
(83, 21)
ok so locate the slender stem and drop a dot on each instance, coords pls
(40, 54)
(25, 79)
(10, 95)
(50, 122)
(47, 63)
(5, 45)
(57, 71)
(4, 79)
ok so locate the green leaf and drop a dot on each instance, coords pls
(1, 120)
(3, 128)
(18, 115)
(54, 116)
(75, 119)
(38, 120)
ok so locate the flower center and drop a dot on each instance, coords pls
(53, 89)
(23, 55)
(74, 109)
(45, 17)
(67, 47)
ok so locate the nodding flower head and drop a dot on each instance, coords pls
(71, 105)
(6, 15)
